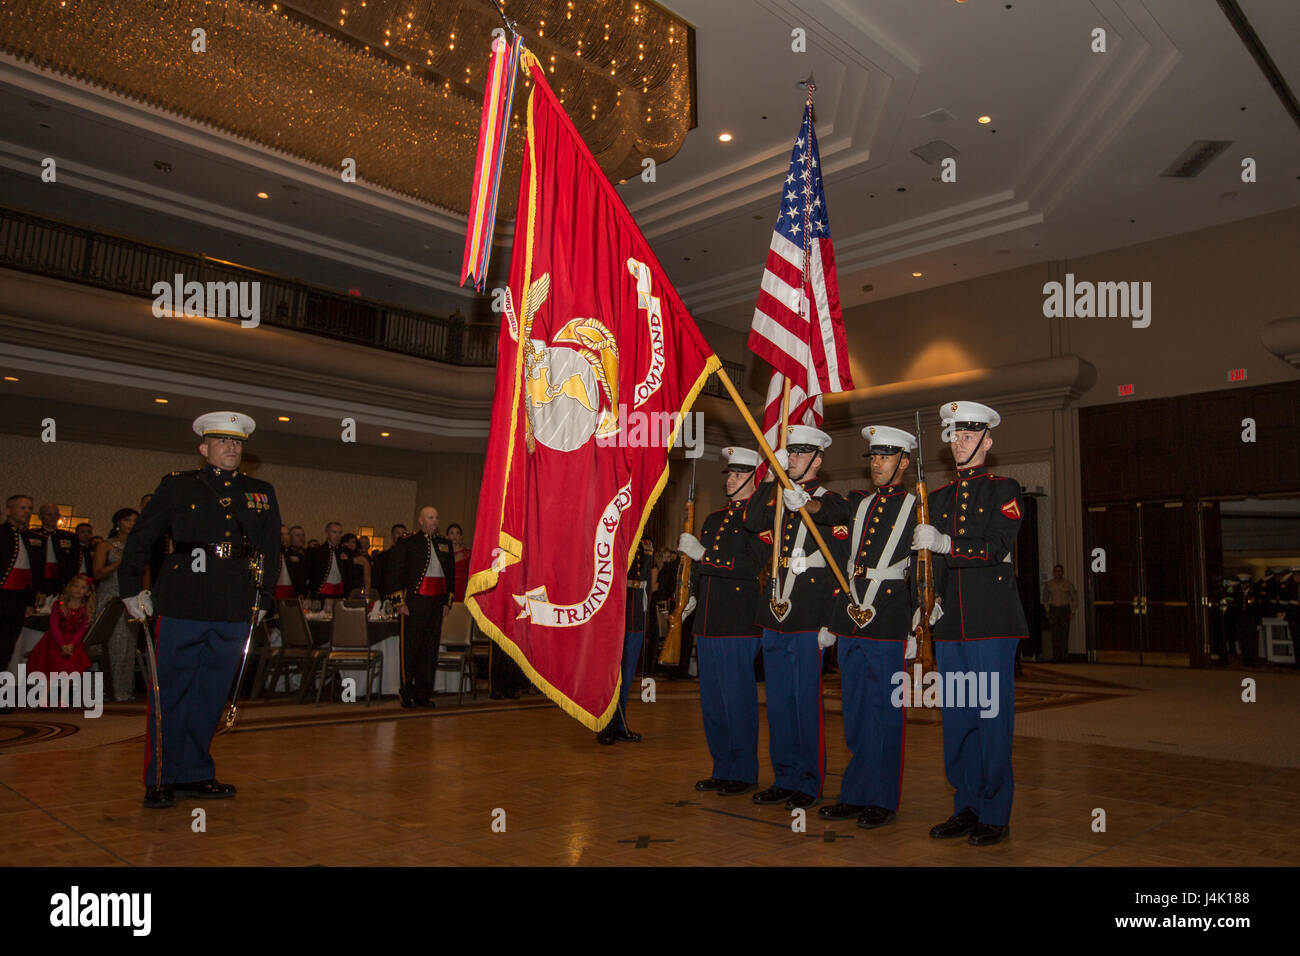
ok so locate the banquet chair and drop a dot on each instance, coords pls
(350, 644)
(265, 654)
(456, 653)
(297, 653)
(101, 629)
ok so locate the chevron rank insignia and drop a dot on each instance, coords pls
(1012, 509)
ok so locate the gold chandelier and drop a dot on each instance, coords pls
(395, 85)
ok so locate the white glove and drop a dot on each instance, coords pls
(783, 458)
(909, 653)
(825, 638)
(795, 498)
(690, 606)
(261, 615)
(139, 607)
(935, 613)
(926, 537)
(690, 546)
(798, 562)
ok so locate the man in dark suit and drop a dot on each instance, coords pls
(61, 552)
(21, 554)
(329, 567)
(222, 521)
(379, 560)
(420, 575)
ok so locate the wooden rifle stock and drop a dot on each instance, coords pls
(924, 585)
(671, 652)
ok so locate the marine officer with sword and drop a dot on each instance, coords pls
(209, 595)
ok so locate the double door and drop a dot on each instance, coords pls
(1142, 608)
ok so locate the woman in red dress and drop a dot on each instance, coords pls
(461, 553)
(60, 650)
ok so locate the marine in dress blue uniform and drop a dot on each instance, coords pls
(872, 625)
(791, 618)
(726, 562)
(638, 602)
(204, 595)
(980, 622)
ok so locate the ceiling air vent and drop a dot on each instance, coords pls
(940, 115)
(935, 151)
(1192, 161)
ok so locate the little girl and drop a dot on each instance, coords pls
(60, 650)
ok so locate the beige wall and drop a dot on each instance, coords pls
(451, 483)
(98, 479)
(1212, 293)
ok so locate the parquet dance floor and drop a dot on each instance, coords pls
(425, 790)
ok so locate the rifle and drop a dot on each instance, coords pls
(672, 650)
(924, 562)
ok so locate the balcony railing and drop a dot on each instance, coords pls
(33, 244)
(46, 247)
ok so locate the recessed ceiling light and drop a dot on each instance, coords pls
(10, 378)
(283, 418)
(383, 434)
(986, 119)
(916, 275)
(724, 137)
(161, 401)
(263, 196)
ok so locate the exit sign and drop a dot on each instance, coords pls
(1236, 375)
(1125, 390)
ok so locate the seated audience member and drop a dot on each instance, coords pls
(460, 552)
(86, 542)
(121, 643)
(60, 651)
(358, 574)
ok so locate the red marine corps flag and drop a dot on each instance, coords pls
(597, 354)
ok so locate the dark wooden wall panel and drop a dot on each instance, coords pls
(1190, 446)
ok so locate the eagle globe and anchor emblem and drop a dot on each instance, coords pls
(571, 393)
(571, 385)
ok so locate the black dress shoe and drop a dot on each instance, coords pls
(773, 794)
(801, 801)
(734, 788)
(986, 834)
(840, 811)
(424, 702)
(710, 784)
(205, 788)
(512, 694)
(873, 817)
(156, 798)
(606, 738)
(627, 736)
(497, 695)
(959, 824)
(405, 700)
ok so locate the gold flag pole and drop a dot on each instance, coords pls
(780, 473)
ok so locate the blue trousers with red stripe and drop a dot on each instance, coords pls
(197, 661)
(729, 705)
(976, 748)
(631, 653)
(792, 665)
(873, 727)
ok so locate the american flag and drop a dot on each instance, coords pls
(798, 328)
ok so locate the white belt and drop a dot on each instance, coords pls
(862, 610)
(781, 603)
